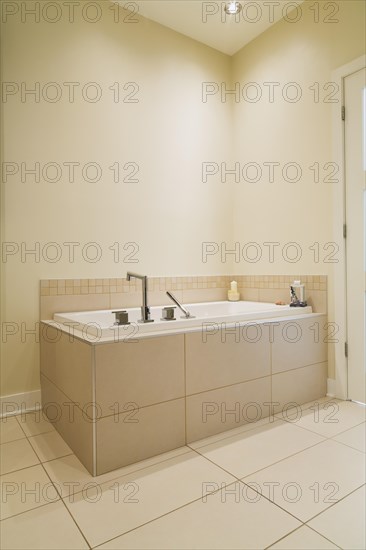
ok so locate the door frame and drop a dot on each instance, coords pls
(338, 292)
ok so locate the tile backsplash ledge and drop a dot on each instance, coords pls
(60, 287)
(60, 295)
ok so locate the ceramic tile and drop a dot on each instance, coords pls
(24, 490)
(344, 523)
(49, 446)
(273, 295)
(215, 411)
(355, 437)
(72, 424)
(60, 304)
(67, 363)
(292, 412)
(312, 480)
(71, 477)
(35, 423)
(160, 298)
(224, 358)
(192, 296)
(231, 518)
(303, 538)
(249, 294)
(10, 430)
(244, 453)
(128, 502)
(47, 528)
(298, 344)
(16, 455)
(231, 433)
(139, 434)
(332, 418)
(160, 366)
(123, 300)
(299, 386)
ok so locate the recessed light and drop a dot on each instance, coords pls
(232, 8)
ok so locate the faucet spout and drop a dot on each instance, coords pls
(145, 309)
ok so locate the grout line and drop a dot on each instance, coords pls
(327, 437)
(240, 480)
(30, 510)
(334, 503)
(227, 434)
(243, 429)
(13, 440)
(326, 538)
(299, 368)
(77, 525)
(261, 469)
(94, 479)
(21, 469)
(163, 515)
(284, 536)
(61, 500)
(20, 425)
(188, 504)
(42, 433)
(139, 408)
(351, 428)
(283, 459)
(346, 444)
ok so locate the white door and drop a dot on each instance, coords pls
(355, 172)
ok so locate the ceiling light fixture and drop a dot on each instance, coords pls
(233, 8)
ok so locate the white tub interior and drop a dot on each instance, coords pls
(100, 324)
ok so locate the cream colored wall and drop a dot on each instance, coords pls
(168, 213)
(168, 133)
(305, 53)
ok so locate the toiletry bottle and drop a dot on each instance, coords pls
(299, 290)
(233, 294)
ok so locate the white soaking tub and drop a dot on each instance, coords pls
(97, 325)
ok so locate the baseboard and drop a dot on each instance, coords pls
(18, 403)
(331, 387)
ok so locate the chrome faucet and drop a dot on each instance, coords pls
(187, 315)
(145, 310)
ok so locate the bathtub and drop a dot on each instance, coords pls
(182, 381)
(99, 325)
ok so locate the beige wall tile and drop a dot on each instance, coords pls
(249, 294)
(132, 437)
(60, 304)
(123, 300)
(219, 410)
(223, 358)
(272, 295)
(67, 362)
(204, 295)
(143, 372)
(160, 298)
(299, 386)
(74, 426)
(299, 343)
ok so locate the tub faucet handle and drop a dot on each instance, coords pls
(121, 317)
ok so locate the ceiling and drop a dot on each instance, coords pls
(207, 22)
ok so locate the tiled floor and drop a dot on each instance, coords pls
(294, 481)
